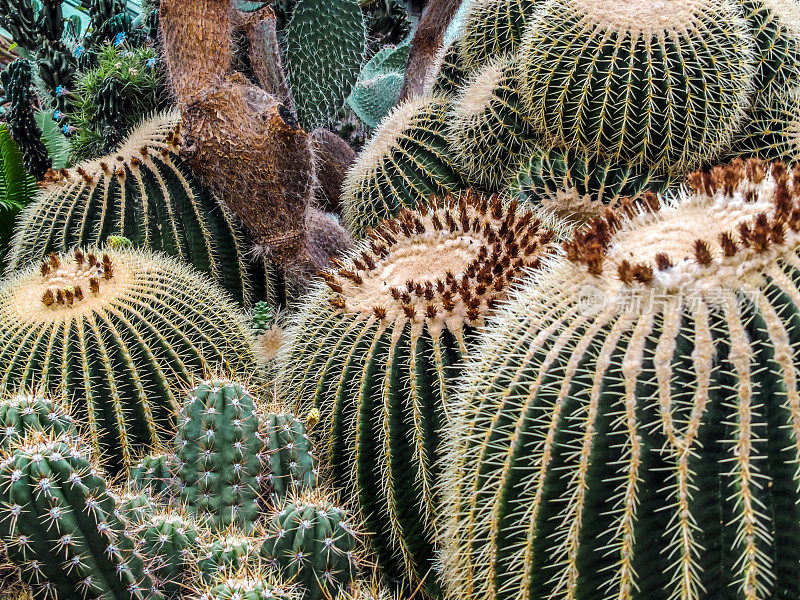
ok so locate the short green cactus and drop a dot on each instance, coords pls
(224, 553)
(217, 454)
(405, 161)
(630, 425)
(663, 85)
(169, 542)
(26, 412)
(494, 28)
(146, 193)
(59, 525)
(576, 186)
(290, 466)
(247, 584)
(313, 542)
(488, 128)
(116, 335)
(133, 507)
(263, 317)
(377, 352)
(153, 474)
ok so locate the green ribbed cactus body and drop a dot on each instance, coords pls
(776, 28)
(153, 473)
(494, 28)
(325, 43)
(223, 554)
(247, 586)
(312, 542)
(289, 461)
(488, 127)
(576, 185)
(217, 453)
(405, 161)
(630, 425)
(24, 413)
(146, 193)
(134, 508)
(116, 335)
(449, 73)
(60, 528)
(378, 352)
(664, 85)
(773, 130)
(169, 541)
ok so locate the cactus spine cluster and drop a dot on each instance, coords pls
(145, 192)
(153, 474)
(217, 453)
(28, 412)
(170, 542)
(407, 160)
(312, 541)
(630, 426)
(247, 584)
(289, 461)
(494, 28)
(117, 333)
(775, 25)
(225, 553)
(59, 524)
(377, 350)
(662, 86)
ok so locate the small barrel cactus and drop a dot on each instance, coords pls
(313, 542)
(169, 542)
(25, 412)
(776, 28)
(662, 85)
(60, 527)
(133, 507)
(378, 349)
(247, 584)
(117, 334)
(224, 553)
(630, 425)
(405, 161)
(494, 28)
(217, 453)
(152, 473)
(290, 466)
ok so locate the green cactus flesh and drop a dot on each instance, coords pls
(153, 474)
(225, 553)
(494, 28)
(134, 508)
(60, 527)
(170, 542)
(27, 412)
(449, 73)
(773, 130)
(378, 350)
(576, 186)
(217, 453)
(312, 541)
(660, 85)
(146, 193)
(630, 425)
(405, 161)
(116, 335)
(290, 464)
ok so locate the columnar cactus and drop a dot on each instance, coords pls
(630, 426)
(576, 186)
(488, 128)
(153, 474)
(116, 334)
(377, 351)
(313, 542)
(224, 553)
(494, 28)
(217, 454)
(289, 462)
(144, 191)
(169, 542)
(660, 85)
(26, 412)
(405, 161)
(60, 527)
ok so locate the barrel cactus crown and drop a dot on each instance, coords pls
(630, 426)
(494, 28)
(663, 85)
(60, 527)
(145, 192)
(405, 161)
(217, 452)
(313, 542)
(26, 412)
(576, 186)
(488, 128)
(377, 351)
(117, 334)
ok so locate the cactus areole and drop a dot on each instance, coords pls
(630, 427)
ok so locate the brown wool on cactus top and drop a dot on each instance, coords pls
(443, 265)
(736, 217)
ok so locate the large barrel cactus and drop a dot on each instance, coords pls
(630, 426)
(117, 334)
(377, 351)
(494, 28)
(663, 85)
(145, 192)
